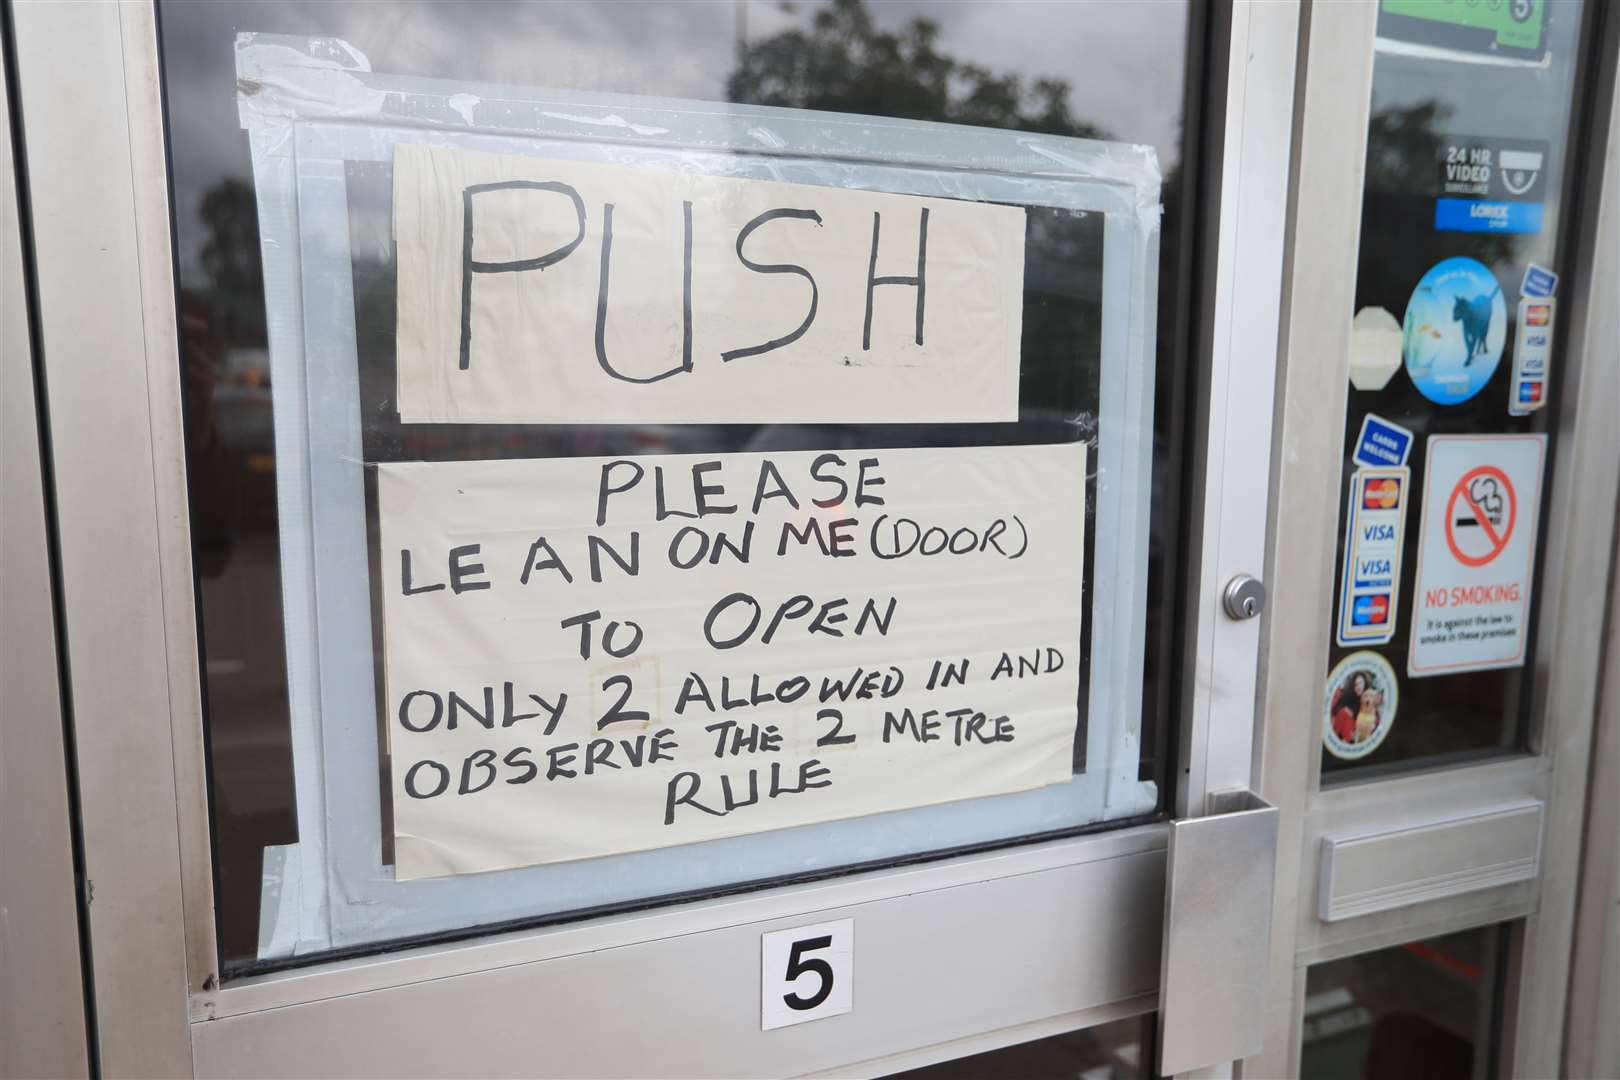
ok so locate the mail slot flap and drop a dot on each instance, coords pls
(1375, 871)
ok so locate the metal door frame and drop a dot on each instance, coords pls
(91, 106)
(42, 1003)
(1577, 537)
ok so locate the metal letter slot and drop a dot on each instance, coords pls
(1217, 933)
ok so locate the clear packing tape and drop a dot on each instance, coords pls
(313, 109)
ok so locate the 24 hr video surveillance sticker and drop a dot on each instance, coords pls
(1476, 553)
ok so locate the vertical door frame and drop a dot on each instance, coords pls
(93, 110)
(43, 1029)
(92, 121)
(1575, 570)
(1228, 489)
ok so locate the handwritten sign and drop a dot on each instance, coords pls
(534, 290)
(588, 655)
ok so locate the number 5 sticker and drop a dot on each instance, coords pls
(806, 973)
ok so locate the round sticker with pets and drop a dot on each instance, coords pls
(1358, 708)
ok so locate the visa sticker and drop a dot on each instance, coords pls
(1532, 356)
(1381, 443)
(1538, 282)
(1370, 578)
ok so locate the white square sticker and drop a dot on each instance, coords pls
(806, 973)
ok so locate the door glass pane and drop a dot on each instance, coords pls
(1464, 235)
(370, 762)
(1426, 1009)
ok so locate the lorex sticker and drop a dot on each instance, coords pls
(1358, 706)
(1369, 580)
(1490, 185)
(1476, 553)
(1532, 353)
(1456, 325)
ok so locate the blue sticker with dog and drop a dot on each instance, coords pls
(1456, 325)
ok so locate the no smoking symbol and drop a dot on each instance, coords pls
(1480, 515)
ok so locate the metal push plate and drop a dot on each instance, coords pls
(1217, 933)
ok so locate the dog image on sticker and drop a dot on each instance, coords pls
(1456, 324)
(1358, 707)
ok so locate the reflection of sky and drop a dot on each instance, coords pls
(1486, 99)
(1123, 59)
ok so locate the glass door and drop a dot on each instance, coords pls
(1444, 527)
(691, 534)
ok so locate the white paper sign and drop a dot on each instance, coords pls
(806, 973)
(551, 291)
(590, 655)
(1476, 553)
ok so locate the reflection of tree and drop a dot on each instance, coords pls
(844, 63)
(230, 255)
(1398, 238)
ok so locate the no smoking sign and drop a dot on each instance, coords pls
(1476, 553)
(1481, 515)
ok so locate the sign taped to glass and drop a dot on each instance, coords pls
(587, 655)
(538, 290)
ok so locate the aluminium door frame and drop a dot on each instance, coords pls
(91, 106)
(1576, 539)
(42, 1016)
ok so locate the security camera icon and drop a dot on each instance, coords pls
(1519, 169)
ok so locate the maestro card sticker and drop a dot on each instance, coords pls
(1456, 324)
(1476, 553)
(1358, 706)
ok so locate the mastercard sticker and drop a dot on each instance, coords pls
(1382, 493)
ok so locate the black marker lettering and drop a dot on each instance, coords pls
(405, 576)
(602, 303)
(460, 572)
(920, 282)
(776, 268)
(471, 266)
(604, 487)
